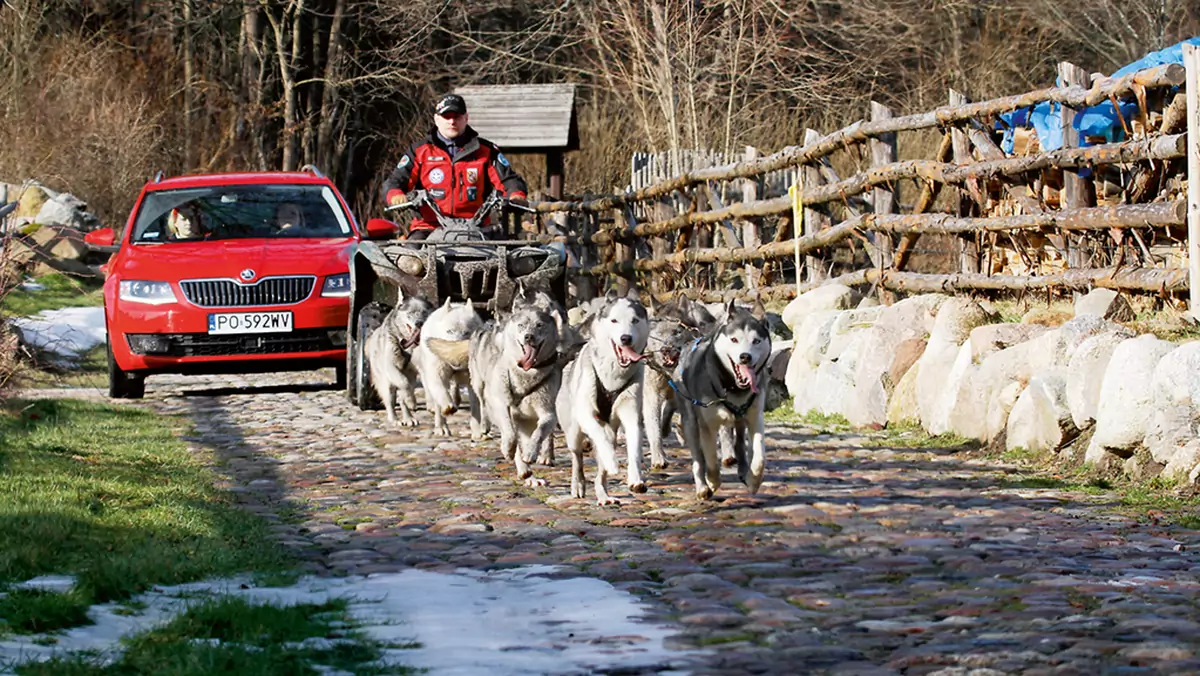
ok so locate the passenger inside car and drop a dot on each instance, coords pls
(187, 222)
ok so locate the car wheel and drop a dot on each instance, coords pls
(369, 318)
(123, 384)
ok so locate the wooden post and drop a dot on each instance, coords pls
(1191, 59)
(1077, 191)
(883, 151)
(814, 218)
(554, 173)
(968, 251)
(751, 237)
(621, 252)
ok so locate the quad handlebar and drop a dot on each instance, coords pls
(494, 200)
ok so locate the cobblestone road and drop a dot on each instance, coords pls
(852, 560)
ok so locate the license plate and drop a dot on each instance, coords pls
(249, 322)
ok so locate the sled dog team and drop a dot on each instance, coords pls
(622, 368)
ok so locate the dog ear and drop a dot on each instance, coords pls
(399, 295)
(447, 303)
(759, 310)
(730, 308)
(611, 295)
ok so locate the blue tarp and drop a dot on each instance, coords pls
(1096, 121)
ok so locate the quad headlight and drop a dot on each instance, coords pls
(336, 286)
(150, 293)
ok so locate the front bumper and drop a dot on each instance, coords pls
(175, 339)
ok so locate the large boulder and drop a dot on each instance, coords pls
(847, 324)
(956, 318)
(809, 343)
(913, 317)
(1175, 419)
(822, 298)
(1105, 303)
(902, 407)
(1046, 317)
(1039, 419)
(995, 337)
(908, 351)
(65, 210)
(31, 201)
(1085, 373)
(1126, 404)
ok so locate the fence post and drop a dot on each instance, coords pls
(1191, 59)
(968, 245)
(621, 252)
(815, 219)
(751, 237)
(883, 151)
(1077, 191)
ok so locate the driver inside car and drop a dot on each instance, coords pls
(289, 218)
(455, 167)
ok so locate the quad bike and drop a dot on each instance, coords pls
(457, 261)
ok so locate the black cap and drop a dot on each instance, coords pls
(450, 103)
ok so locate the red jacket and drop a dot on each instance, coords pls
(459, 186)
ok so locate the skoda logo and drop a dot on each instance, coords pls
(247, 275)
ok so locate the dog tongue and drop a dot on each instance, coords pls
(528, 359)
(629, 354)
(746, 373)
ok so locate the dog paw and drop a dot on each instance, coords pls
(548, 462)
(577, 492)
(608, 501)
(408, 423)
(480, 436)
(443, 431)
(449, 410)
(637, 488)
(729, 462)
(658, 466)
(535, 482)
(704, 494)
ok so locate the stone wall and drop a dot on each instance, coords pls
(949, 365)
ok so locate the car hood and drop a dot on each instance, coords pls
(228, 258)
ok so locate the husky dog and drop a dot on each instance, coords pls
(720, 377)
(441, 380)
(668, 337)
(602, 389)
(515, 374)
(389, 351)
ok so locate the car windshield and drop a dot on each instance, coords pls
(240, 212)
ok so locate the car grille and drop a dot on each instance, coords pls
(267, 291)
(205, 345)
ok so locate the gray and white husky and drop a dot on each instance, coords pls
(723, 387)
(389, 351)
(515, 375)
(443, 381)
(601, 391)
(674, 326)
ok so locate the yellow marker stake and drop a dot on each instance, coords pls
(797, 193)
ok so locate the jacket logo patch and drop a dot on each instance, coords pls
(502, 159)
(436, 176)
(472, 175)
(437, 158)
(403, 162)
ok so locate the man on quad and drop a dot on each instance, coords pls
(455, 167)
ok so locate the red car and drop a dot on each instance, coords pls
(230, 273)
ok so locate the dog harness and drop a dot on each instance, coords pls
(738, 411)
(605, 398)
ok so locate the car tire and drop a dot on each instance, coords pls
(365, 396)
(123, 384)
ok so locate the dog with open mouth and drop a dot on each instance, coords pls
(442, 380)
(668, 337)
(515, 376)
(602, 391)
(389, 352)
(721, 386)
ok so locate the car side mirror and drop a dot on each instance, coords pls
(381, 228)
(101, 237)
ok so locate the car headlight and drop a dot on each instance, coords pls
(336, 286)
(151, 293)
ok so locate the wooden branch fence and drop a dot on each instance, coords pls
(1101, 215)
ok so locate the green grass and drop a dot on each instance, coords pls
(35, 611)
(914, 437)
(826, 423)
(110, 496)
(233, 637)
(61, 291)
